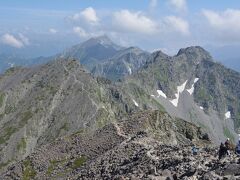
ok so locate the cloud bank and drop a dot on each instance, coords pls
(13, 41)
(225, 24)
(135, 22)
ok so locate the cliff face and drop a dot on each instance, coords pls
(192, 86)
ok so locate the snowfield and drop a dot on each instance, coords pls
(180, 89)
(191, 90)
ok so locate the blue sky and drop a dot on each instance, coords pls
(45, 27)
(73, 5)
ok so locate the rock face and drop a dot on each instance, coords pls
(192, 86)
(125, 62)
(140, 145)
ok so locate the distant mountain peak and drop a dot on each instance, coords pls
(195, 53)
(103, 40)
(159, 53)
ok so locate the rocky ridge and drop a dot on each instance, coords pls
(40, 104)
(127, 147)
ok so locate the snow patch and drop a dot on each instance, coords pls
(136, 104)
(180, 89)
(201, 108)
(191, 90)
(228, 115)
(129, 70)
(196, 80)
(161, 93)
(153, 95)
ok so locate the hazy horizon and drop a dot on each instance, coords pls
(45, 28)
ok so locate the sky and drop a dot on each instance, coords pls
(46, 27)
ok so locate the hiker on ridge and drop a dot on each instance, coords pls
(222, 151)
(227, 145)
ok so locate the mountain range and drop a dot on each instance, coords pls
(95, 98)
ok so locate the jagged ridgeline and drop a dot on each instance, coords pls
(64, 110)
(192, 86)
(59, 98)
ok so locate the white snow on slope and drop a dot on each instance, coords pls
(136, 104)
(161, 93)
(228, 115)
(129, 70)
(180, 89)
(201, 108)
(153, 95)
(191, 90)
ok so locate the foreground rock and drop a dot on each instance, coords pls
(142, 146)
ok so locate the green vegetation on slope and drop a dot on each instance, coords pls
(25, 117)
(53, 165)
(228, 134)
(2, 95)
(7, 134)
(79, 162)
(28, 172)
(22, 144)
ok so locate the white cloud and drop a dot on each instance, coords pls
(134, 22)
(12, 41)
(53, 31)
(24, 39)
(225, 25)
(89, 15)
(179, 5)
(153, 4)
(177, 24)
(80, 32)
(226, 20)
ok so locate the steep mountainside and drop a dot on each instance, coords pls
(39, 104)
(125, 62)
(110, 151)
(192, 86)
